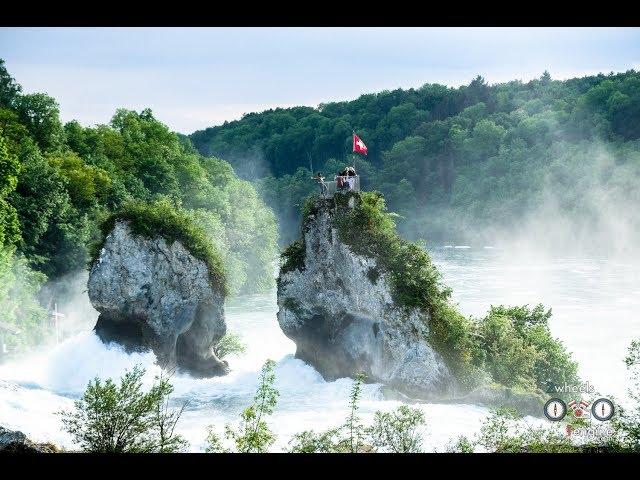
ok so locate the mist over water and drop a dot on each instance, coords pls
(594, 300)
(594, 303)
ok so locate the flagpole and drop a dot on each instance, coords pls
(353, 132)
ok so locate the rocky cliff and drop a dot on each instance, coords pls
(338, 307)
(152, 293)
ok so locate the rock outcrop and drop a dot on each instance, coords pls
(155, 294)
(17, 442)
(338, 308)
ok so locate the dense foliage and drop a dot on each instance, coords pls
(461, 164)
(60, 183)
(162, 219)
(123, 418)
(517, 348)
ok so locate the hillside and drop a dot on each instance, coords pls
(462, 164)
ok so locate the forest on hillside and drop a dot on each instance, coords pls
(58, 183)
(479, 163)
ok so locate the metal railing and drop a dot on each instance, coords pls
(332, 186)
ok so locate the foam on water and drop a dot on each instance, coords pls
(594, 306)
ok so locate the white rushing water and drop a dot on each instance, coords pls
(594, 304)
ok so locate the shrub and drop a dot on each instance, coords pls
(394, 431)
(252, 435)
(230, 344)
(397, 431)
(353, 426)
(504, 432)
(519, 350)
(460, 445)
(293, 257)
(329, 441)
(112, 418)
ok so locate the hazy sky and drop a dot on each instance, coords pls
(197, 77)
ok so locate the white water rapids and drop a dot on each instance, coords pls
(595, 304)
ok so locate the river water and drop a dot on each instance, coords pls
(594, 301)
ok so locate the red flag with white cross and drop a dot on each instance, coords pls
(358, 145)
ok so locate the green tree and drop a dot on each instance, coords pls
(40, 114)
(397, 431)
(230, 344)
(123, 418)
(9, 170)
(518, 349)
(19, 306)
(54, 232)
(9, 89)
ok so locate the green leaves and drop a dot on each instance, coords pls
(293, 257)
(161, 218)
(230, 344)
(252, 434)
(519, 349)
(353, 425)
(396, 431)
(123, 418)
(40, 114)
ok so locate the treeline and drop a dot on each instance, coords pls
(461, 164)
(59, 182)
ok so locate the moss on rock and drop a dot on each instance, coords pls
(161, 219)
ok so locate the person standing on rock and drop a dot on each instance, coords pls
(351, 177)
(320, 179)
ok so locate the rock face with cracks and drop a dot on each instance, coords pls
(154, 294)
(338, 309)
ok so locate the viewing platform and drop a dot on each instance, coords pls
(332, 186)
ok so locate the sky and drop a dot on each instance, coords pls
(193, 78)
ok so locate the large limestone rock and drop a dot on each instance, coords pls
(154, 294)
(338, 310)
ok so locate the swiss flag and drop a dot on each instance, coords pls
(358, 145)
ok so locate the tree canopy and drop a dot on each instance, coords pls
(60, 183)
(459, 163)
